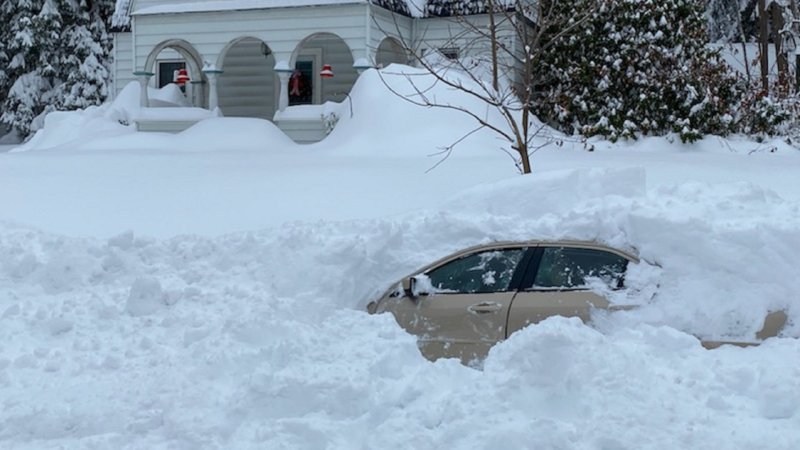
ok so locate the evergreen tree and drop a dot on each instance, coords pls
(5, 38)
(85, 64)
(58, 52)
(638, 67)
(30, 33)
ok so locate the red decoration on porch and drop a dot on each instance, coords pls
(182, 77)
(326, 72)
(296, 83)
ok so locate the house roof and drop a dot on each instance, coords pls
(413, 8)
(233, 5)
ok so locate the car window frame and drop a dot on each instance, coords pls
(527, 283)
(516, 278)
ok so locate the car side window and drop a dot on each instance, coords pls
(484, 272)
(575, 268)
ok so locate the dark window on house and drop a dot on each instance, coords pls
(301, 89)
(450, 53)
(167, 71)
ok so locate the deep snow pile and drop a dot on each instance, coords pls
(231, 316)
(258, 340)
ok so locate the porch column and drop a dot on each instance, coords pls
(212, 73)
(144, 81)
(283, 88)
(196, 87)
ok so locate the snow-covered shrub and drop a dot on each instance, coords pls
(636, 67)
(329, 121)
(449, 8)
(762, 115)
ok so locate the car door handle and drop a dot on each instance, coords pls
(621, 307)
(485, 308)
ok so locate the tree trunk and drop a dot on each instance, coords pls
(524, 156)
(795, 29)
(763, 20)
(744, 43)
(777, 26)
(493, 37)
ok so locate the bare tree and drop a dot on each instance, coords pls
(509, 38)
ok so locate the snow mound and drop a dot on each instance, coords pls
(381, 115)
(241, 133)
(550, 192)
(145, 298)
(74, 127)
(221, 134)
(106, 123)
(194, 340)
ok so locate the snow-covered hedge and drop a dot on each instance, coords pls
(636, 67)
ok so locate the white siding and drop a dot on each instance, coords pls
(282, 29)
(141, 4)
(123, 62)
(335, 53)
(439, 32)
(387, 24)
(303, 131)
(231, 40)
(247, 87)
(445, 32)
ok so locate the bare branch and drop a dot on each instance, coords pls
(448, 150)
(505, 38)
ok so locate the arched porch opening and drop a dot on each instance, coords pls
(390, 51)
(306, 86)
(166, 59)
(247, 85)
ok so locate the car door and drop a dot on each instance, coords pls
(558, 283)
(465, 313)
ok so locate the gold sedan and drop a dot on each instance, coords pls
(463, 304)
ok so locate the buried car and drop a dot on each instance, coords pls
(463, 304)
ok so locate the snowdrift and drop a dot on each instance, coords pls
(223, 342)
(231, 313)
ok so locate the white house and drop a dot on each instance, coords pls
(260, 58)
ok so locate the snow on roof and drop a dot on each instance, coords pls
(121, 18)
(233, 5)
(413, 8)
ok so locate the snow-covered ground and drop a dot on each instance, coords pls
(206, 290)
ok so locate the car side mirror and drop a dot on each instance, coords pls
(408, 286)
(416, 285)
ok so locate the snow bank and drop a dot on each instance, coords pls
(382, 124)
(209, 135)
(382, 116)
(209, 342)
(212, 336)
(111, 120)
